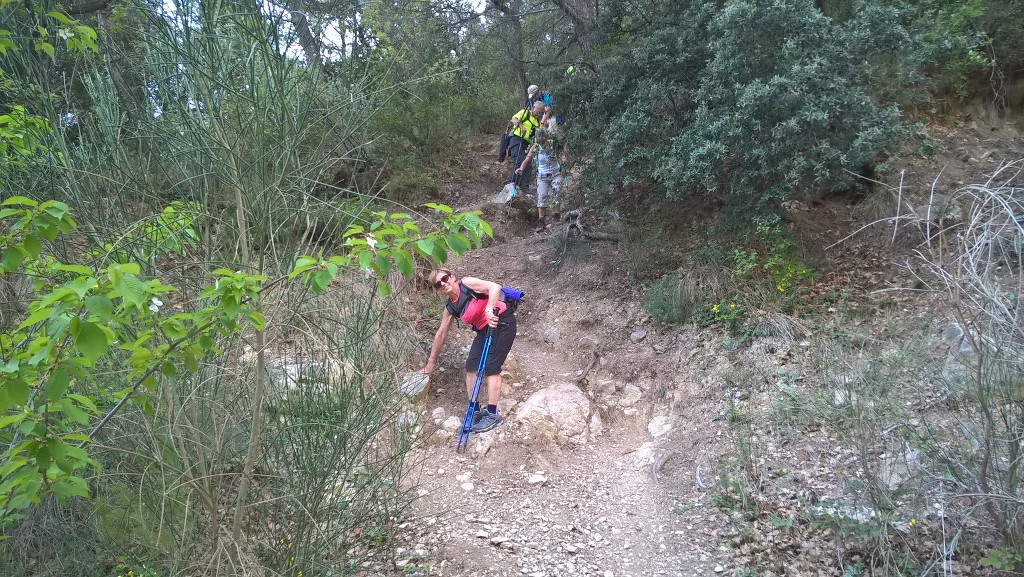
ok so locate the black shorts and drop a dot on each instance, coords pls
(501, 344)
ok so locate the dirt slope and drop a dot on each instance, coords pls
(521, 504)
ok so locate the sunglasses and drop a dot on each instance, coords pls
(441, 280)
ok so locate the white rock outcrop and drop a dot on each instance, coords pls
(560, 412)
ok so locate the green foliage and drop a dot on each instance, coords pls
(385, 246)
(776, 260)
(952, 40)
(664, 301)
(85, 320)
(1001, 558)
(444, 82)
(751, 101)
(728, 314)
(23, 131)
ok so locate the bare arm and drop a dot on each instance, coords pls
(439, 338)
(526, 159)
(493, 292)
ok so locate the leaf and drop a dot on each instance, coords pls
(353, 230)
(425, 247)
(383, 289)
(67, 487)
(19, 201)
(36, 317)
(57, 384)
(439, 254)
(320, 281)
(72, 411)
(80, 286)
(84, 401)
(443, 208)
(302, 264)
(12, 259)
(16, 391)
(173, 329)
(381, 265)
(231, 306)
(190, 362)
(207, 342)
(168, 369)
(457, 243)
(365, 258)
(100, 306)
(8, 420)
(90, 341)
(132, 290)
(257, 320)
(60, 16)
(403, 261)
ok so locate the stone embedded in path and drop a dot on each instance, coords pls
(631, 395)
(659, 426)
(560, 412)
(438, 415)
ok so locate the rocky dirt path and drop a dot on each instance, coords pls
(621, 498)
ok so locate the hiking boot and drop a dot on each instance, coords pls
(487, 422)
(479, 414)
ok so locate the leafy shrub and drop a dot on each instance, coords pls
(750, 101)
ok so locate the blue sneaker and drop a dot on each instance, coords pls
(479, 414)
(487, 422)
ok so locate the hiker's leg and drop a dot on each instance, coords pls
(493, 389)
(501, 344)
(470, 380)
(516, 151)
(543, 196)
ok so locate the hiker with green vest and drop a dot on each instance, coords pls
(524, 124)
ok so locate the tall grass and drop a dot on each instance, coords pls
(234, 470)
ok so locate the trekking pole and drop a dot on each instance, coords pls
(467, 421)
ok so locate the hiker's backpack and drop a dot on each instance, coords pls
(512, 298)
(503, 142)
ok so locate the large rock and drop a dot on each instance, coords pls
(414, 386)
(560, 412)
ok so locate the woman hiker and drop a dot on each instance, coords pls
(480, 304)
(549, 178)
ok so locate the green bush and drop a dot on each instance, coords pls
(751, 101)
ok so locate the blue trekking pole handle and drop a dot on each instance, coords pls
(467, 420)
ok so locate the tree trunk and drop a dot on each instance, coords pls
(308, 41)
(511, 28)
(583, 14)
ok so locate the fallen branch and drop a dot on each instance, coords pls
(574, 220)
